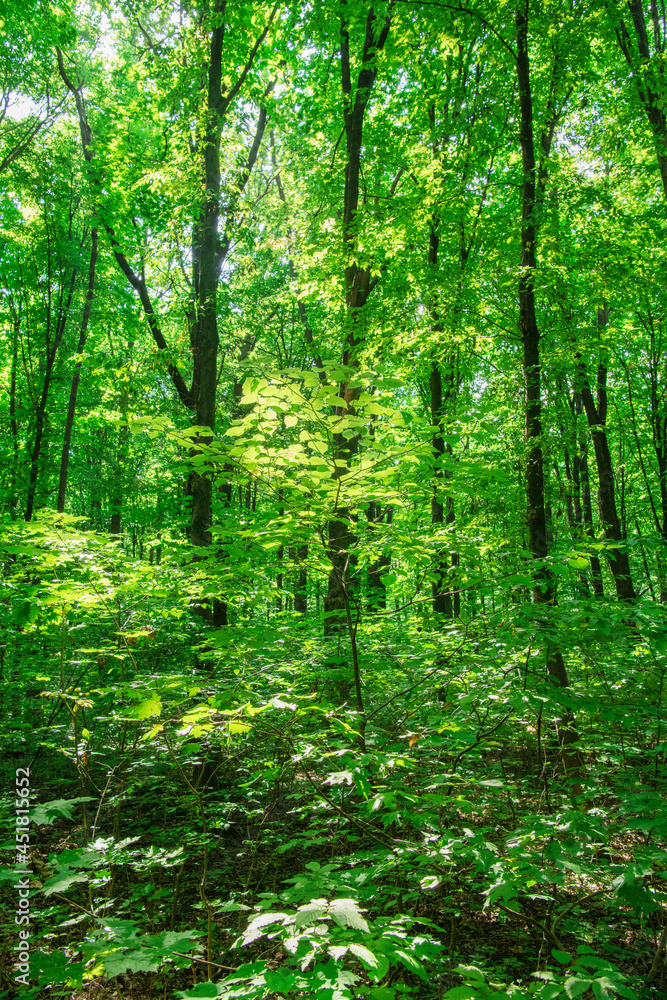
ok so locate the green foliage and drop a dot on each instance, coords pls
(281, 673)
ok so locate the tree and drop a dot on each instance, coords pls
(210, 245)
(534, 185)
(356, 95)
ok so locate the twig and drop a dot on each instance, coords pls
(364, 827)
(653, 972)
(576, 902)
(547, 931)
(481, 736)
(214, 965)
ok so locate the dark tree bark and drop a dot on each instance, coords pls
(210, 247)
(544, 592)
(647, 70)
(300, 594)
(658, 417)
(13, 421)
(583, 510)
(596, 415)
(78, 361)
(444, 602)
(357, 280)
(53, 342)
(280, 554)
(117, 485)
(376, 587)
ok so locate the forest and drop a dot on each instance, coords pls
(333, 499)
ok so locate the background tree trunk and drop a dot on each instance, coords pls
(78, 361)
(543, 589)
(341, 536)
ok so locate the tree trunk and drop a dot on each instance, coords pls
(543, 589)
(583, 509)
(280, 554)
(659, 429)
(376, 587)
(596, 416)
(300, 598)
(444, 603)
(341, 536)
(78, 361)
(13, 422)
(647, 72)
(117, 485)
(40, 415)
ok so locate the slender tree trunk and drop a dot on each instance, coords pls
(573, 504)
(118, 468)
(647, 72)
(583, 511)
(442, 513)
(543, 590)
(341, 534)
(300, 598)
(659, 428)
(377, 590)
(95, 474)
(280, 555)
(596, 416)
(78, 361)
(13, 421)
(40, 415)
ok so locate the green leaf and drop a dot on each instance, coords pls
(239, 727)
(371, 961)
(310, 913)
(47, 812)
(151, 706)
(280, 981)
(62, 881)
(56, 969)
(563, 957)
(576, 986)
(346, 913)
(200, 991)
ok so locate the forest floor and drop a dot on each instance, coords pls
(249, 845)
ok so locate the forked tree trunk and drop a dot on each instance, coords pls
(596, 415)
(647, 71)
